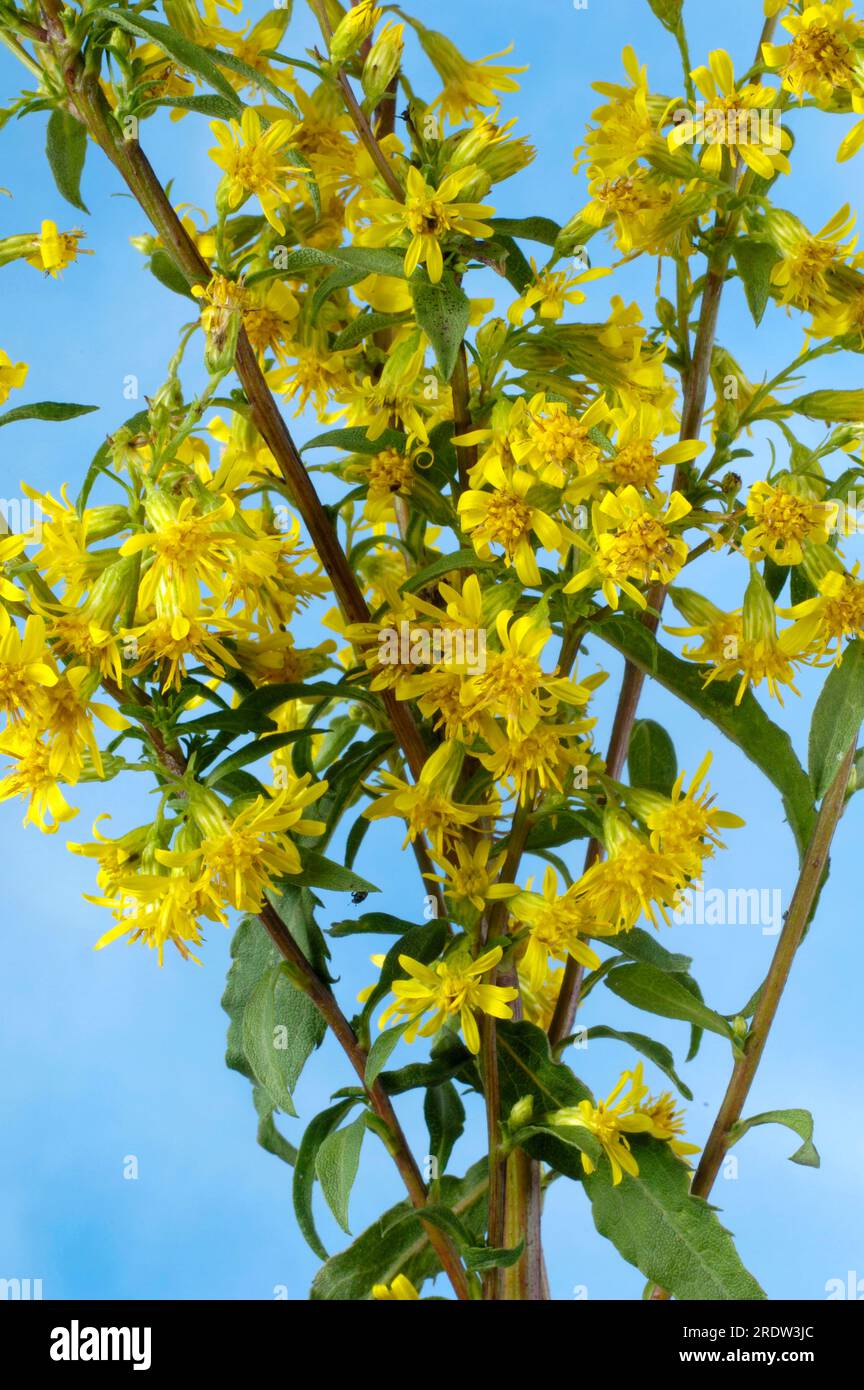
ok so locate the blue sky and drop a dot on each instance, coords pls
(106, 1056)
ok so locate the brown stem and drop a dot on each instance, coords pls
(338, 1024)
(811, 875)
(466, 454)
(494, 927)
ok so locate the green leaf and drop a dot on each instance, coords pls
(641, 945)
(755, 261)
(371, 922)
(254, 751)
(651, 760)
(304, 1170)
(801, 1121)
(66, 149)
(319, 872)
(269, 1136)
(445, 1119)
(355, 440)
(366, 259)
(442, 311)
(190, 56)
(281, 1028)
(379, 1052)
(396, 1243)
(836, 718)
(746, 724)
(483, 1257)
(656, 1052)
(657, 992)
(166, 270)
(445, 564)
(675, 1239)
(336, 1165)
(362, 327)
(253, 76)
(219, 108)
(541, 229)
(46, 410)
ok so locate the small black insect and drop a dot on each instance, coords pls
(359, 897)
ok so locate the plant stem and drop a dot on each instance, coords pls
(341, 1029)
(810, 878)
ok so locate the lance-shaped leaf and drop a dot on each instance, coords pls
(837, 717)
(379, 1052)
(651, 761)
(800, 1121)
(442, 312)
(305, 1169)
(190, 56)
(445, 1119)
(655, 1052)
(397, 1243)
(281, 1027)
(66, 149)
(745, 724)
(755, 260)
(336, 1165)
(658, 992)
(46, 410)
(675, 1239)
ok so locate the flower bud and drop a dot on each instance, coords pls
(521, 1112)
(353, 30)
(382, 62)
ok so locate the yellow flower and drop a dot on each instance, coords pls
(54, 250)
(686, 822)
(446, 990)
(428, 214)
(245, 853)
(472, 878)
(635, 542)
(806, 274)
(734, 119)
(513, 684)
(253, 162)
(25, 665)
(610, 1121)
(557, 923)
(667, 1123)
(627, 125)
(400, 1290)
(552, 290)
(786, 518)
(36, 777)
(634, 880)
(12, 375)
(539, 760)
(158, 909)
(427, 806)
(505, 516)
(467, 84)
(822, 55)
(835, 613)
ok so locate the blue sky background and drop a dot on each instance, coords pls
(105, 1056)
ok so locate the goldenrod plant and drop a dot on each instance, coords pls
(406, 620)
